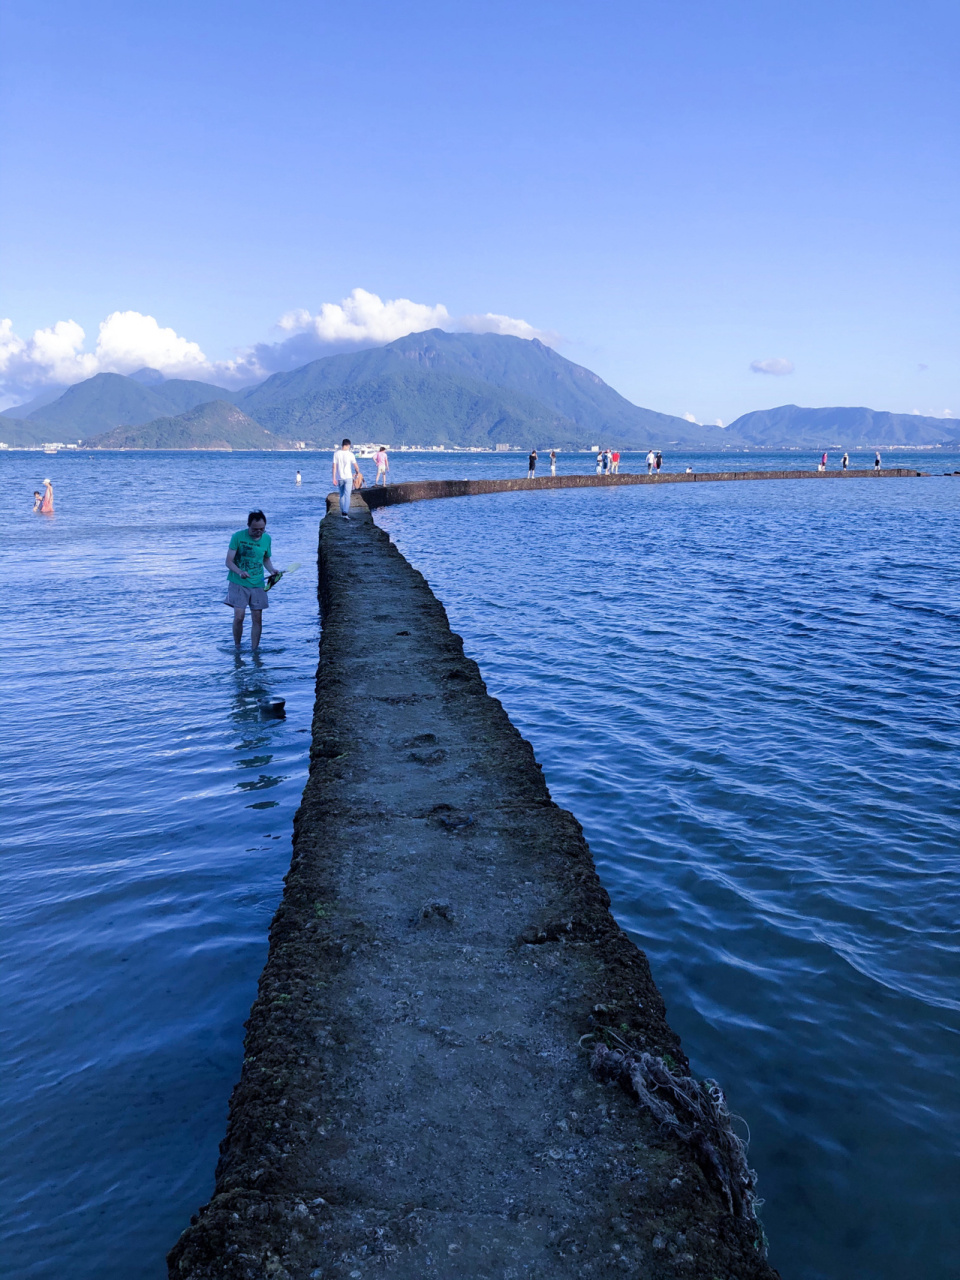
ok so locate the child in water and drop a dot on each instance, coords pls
(37, 500)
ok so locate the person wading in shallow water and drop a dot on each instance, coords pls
(247, 557)
(46, 505)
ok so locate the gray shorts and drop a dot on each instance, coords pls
(246, 597)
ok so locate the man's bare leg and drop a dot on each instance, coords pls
(256, 622)
(238, 624)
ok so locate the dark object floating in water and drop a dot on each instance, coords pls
(264, 804)
(272, 708)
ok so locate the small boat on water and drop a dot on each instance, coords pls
(51, 448)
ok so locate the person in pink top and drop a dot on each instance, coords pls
(46, 506)
(383, 465)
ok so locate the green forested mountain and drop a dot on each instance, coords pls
(20, 434)
(839, 428)
(216, 425)
(454, 389)
(111, 400)
(459, 389)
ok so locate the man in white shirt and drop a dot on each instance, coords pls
(651, 459)
(344, 465)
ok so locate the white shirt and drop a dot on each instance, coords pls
(651, 458)
(344, 461)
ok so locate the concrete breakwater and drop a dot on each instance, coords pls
(457, 1064)
(421, 490)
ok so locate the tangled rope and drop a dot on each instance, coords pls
(698, 1115)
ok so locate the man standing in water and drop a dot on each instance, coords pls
(344, 465)
(247, 557)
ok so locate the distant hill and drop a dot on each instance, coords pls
(110, 400)
(47, 396)
(839, 428)
(459, 389)
(216, 425)
(20, 434)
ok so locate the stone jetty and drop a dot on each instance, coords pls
(457, 1064)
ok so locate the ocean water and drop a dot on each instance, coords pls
(747, 694)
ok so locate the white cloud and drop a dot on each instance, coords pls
(777, 365)
(363, 317)
(718, 422)
(689, 417)
(128, 341)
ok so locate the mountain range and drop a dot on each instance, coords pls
(432, 388)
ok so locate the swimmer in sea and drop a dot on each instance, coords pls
(46, 506)
(37, 500)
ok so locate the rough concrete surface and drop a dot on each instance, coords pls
(417, 1098)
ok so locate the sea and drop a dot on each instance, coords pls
(748, 694)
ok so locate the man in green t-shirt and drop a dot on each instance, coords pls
(248, 556)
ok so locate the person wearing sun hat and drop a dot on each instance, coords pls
(46, 506)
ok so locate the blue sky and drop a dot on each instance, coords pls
(674, 190)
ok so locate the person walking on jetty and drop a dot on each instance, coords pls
(532, 464)
(615, 462)
(844, 461)
(651, 460)
(876, 461)
(344, 467)
(383, 465)
(823, 462)
(553, 462)
(46, 503)
(658, 462)
(599, 462)
(247, 557)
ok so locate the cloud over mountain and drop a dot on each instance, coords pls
(779, 366)
(128, 341)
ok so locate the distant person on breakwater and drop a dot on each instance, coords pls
(532, 465)
(344, 466)
(823, 462)
(658, 462)
(876, 461)
(37, 500)
(553, 462)
(383, 465)
(247, 557)
(46, 504)
(299, 478)
(651, 459)
(599, 462)
(615, 462)
(844, 461)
